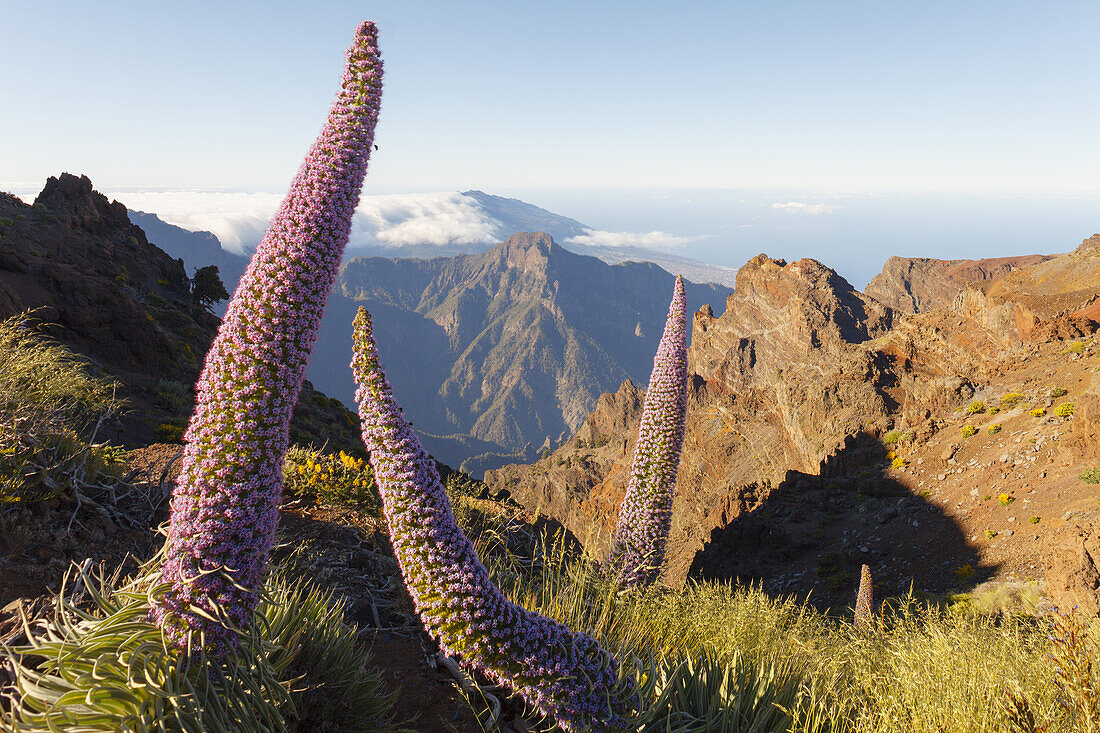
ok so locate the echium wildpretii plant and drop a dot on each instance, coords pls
(864, 617)
(225, 505)
(638, 545)
(564, 674)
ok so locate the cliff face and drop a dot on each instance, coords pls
(919, 284)
(492, 352)
(784, 477)
(124, 303)
(780, 381)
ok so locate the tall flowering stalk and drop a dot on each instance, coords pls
(864, 605)
(225, 506)
(638, 545)
(564, 674)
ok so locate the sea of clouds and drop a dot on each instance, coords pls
(387, 221)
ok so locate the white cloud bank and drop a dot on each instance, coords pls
(240, 219)
(424, 218)
(446, 218)
(798, 207)
(656, 240)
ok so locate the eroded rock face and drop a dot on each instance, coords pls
(1056, 298)
(920, 284)
(78, 256)
(779, 382)
(784, 477)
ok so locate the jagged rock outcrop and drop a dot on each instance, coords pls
(793, 387)
(78, 257)
(124, 303)
(921, 284)
(779, 383)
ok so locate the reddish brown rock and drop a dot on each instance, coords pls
(921, 284)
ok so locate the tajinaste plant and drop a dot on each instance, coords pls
(225, 506)
(564, 674)
(864, 605)
(638, 545)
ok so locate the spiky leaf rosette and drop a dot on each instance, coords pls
(564, 674)
(864, 604)
(638, 545)
(225, 506)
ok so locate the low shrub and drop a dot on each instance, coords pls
(908, 436)
(1006, 499)
(171, 395)
(994, 410)
(1057, 392)
(1010, 399)
(924, 669)
(993, 429)
(330, 478)
(977, 407)
(1064, 410)
(891, 437)
(1091, 475)
(1037, 412)
(969, 430)
(168, 433)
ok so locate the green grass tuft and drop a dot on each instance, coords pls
(51, 408)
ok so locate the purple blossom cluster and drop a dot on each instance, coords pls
(864, 605)
(225, 506)
(564, 674)
(638, 545)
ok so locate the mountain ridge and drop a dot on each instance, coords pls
(823, 432)
(511, 346)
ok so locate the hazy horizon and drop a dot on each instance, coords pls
(852, 233)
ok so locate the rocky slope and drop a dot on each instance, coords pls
(125, 304)
(500, 352)
(786, 479)
(919, 284)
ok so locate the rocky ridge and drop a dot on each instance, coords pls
(919, 284)
(116, 298)
(785, 477)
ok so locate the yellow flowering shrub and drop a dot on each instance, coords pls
(332, 478)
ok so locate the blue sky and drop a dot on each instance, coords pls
(601, 104)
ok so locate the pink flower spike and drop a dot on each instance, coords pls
(638, 545)
(564, 674)
(238, 434)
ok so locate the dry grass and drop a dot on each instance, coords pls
(924, 667)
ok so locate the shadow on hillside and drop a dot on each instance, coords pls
(811, 535)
